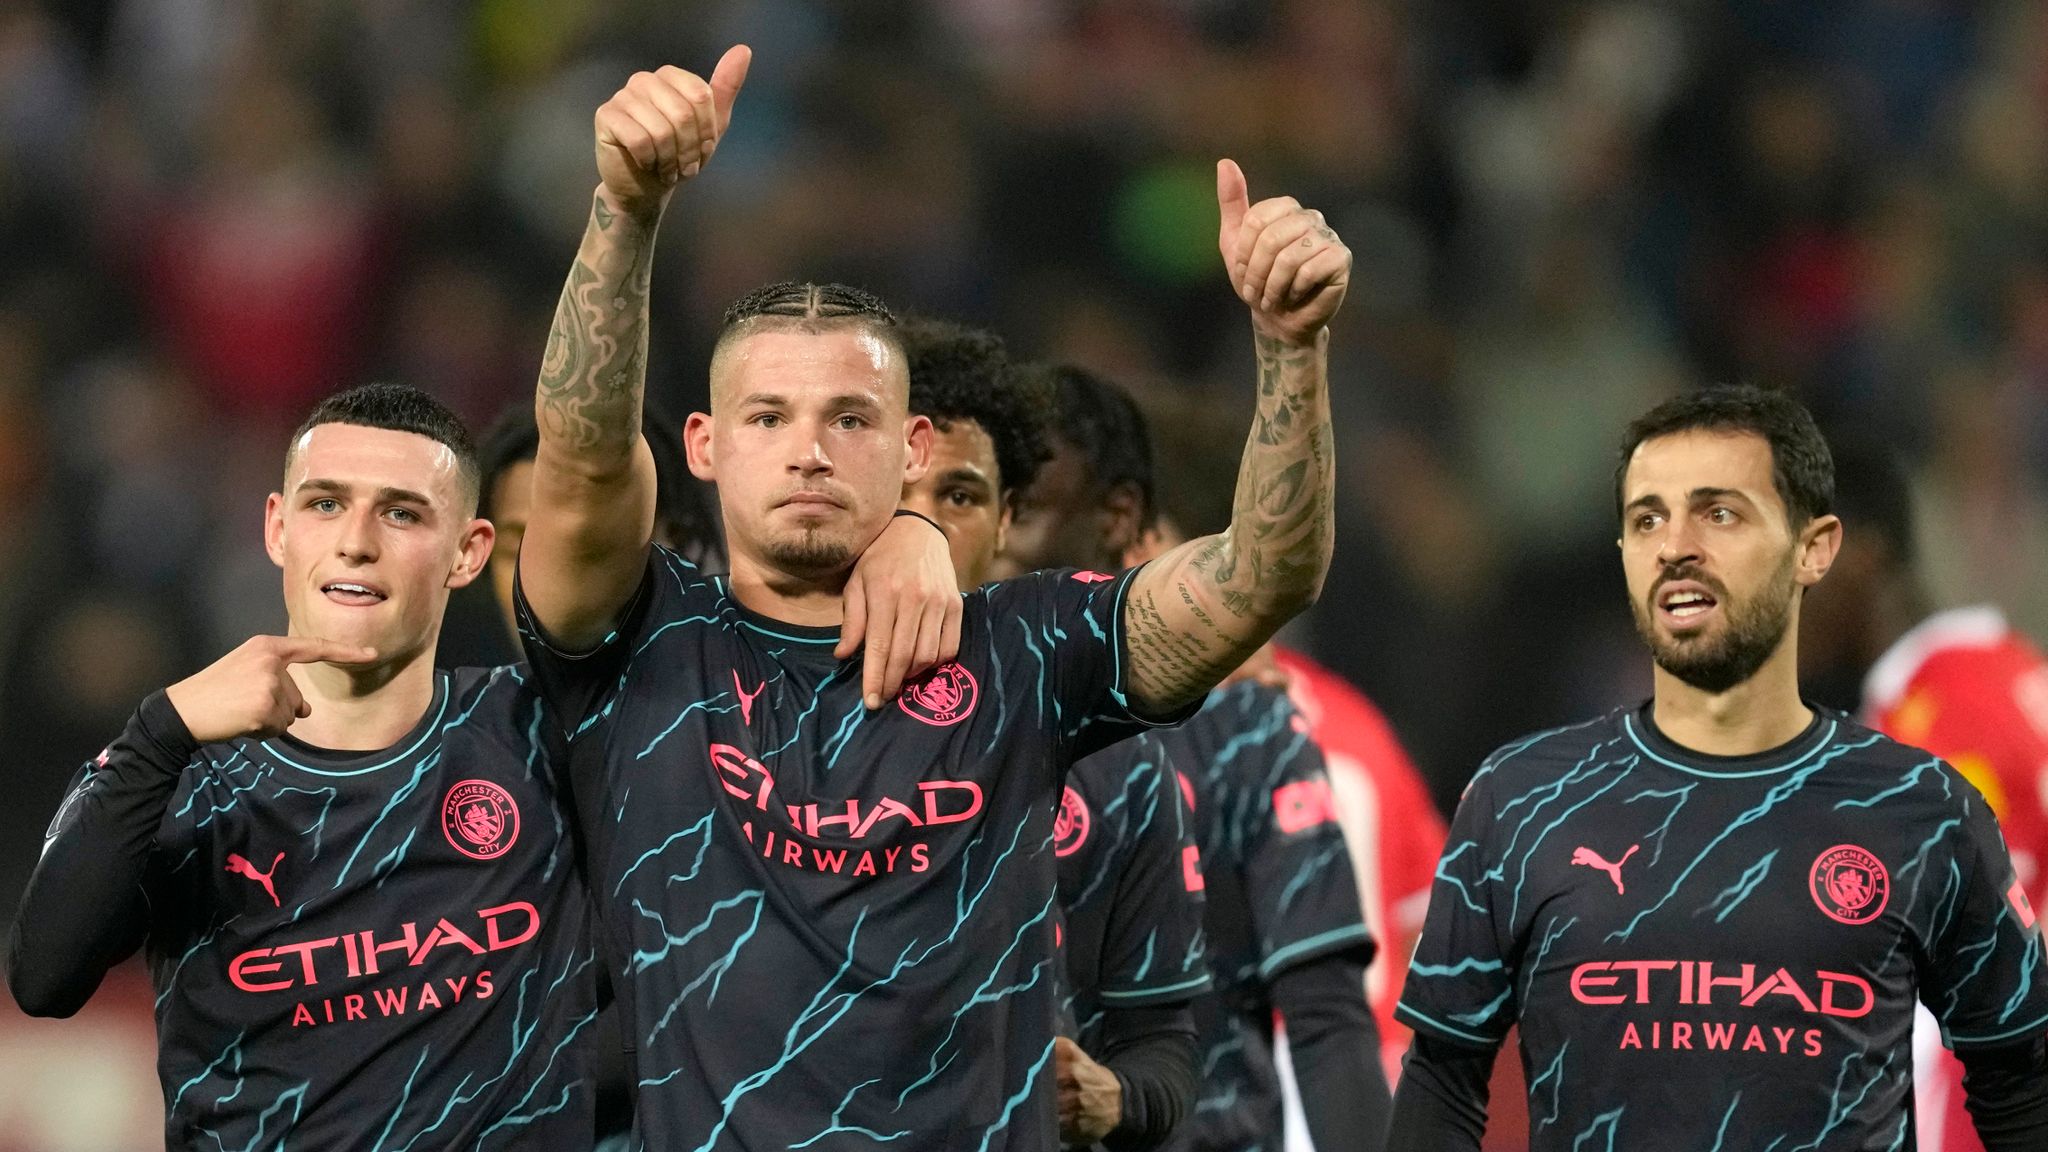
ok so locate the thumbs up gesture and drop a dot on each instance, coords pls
(1283, 261)
(661, 129)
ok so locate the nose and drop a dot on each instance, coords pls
(1680, 544)
(812, 460)
(357, 541)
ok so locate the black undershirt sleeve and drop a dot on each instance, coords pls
(2006, 1090)
(84, 910)
(1152, 1052)
(1336, 1051)
(1441, 1104)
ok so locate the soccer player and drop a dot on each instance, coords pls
(1283, 924)
(1131, 922)
(358, 905)
(833, 919)
(1959, 683)
(1710, 914)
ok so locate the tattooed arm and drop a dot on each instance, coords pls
(1199, 611)
(593, 478)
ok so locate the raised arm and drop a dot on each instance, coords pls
(1199, 611)
(593, 477)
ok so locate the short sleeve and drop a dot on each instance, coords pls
(1461, 980)
(1154, 953)
(1069, 626)
(1984, 976)
(1297, 868)
(580, 688)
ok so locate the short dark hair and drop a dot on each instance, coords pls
(1106, 426)
(808, 307)
(1802, 469)
(1873, 495)
(399, 408)
(681, 507)
(962, 373)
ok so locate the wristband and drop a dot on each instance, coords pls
(921, 516)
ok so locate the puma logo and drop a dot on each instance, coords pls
(746, 697)
(1592, 859)
(240, 866)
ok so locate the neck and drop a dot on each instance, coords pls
(813, 600)
(363, 711)
(1756, 715)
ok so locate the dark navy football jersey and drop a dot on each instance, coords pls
(373, 950)
(1278, 891)
(1130, 887)
(833, 927)
(1714, 951)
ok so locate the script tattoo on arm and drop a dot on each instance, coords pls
(1196, 613)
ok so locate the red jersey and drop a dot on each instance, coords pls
(1966, 687)
(1394, 831)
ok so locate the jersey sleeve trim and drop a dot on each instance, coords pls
(1335, 940)
(1162, 994)
(1995, 1038)
(1422, 1022)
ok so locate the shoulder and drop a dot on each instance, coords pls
(1554, 751)
(1898, 776)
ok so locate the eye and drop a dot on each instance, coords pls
(1648, 522)
(404, 515)
(326, 505)
(960, 498)
(1721, 514)
(768, 420)
(850, 423)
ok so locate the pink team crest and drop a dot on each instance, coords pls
(1070, 824)
(480, 819)
(941, 697)
(1850, 885)
(1092, 577)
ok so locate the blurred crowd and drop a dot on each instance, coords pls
(213, 212)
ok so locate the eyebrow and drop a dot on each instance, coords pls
(968, 474)
(1696, 496)
(846, 400)
(386, 495)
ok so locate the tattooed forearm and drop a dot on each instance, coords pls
(1204, 607)
(594, 372)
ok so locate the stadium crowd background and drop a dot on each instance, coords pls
(213, 212)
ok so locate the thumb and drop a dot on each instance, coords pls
(726, 80)
(1233, 198)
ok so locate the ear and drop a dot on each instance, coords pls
(1819, 543)
(273, 528)
(697, 446)
(473, 553)
(917, 436)
(1123, 511)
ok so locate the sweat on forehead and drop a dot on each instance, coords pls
(875, 352)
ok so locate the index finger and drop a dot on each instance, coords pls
(314, 650)
(726, 80)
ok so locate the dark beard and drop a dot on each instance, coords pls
(810, 554)
(1753, 631)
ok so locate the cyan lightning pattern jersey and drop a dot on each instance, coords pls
(381, 950)
(1130, 887)
(1723, 952)
(833, 928)
(1279, 891)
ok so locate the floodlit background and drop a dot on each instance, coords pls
(213, 212)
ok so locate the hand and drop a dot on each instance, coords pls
(1091, 1097)
(1263, 667)
(661, 129)
(1282, 259)
(248, 692)
(904, 600)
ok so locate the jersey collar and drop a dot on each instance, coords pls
(343, 762)
(1654, 744)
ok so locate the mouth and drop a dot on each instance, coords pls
(810, 502)
(352, 593)
(1685, 605)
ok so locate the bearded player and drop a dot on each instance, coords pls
(1131, 924)
(833, 920)
(1711, 914)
